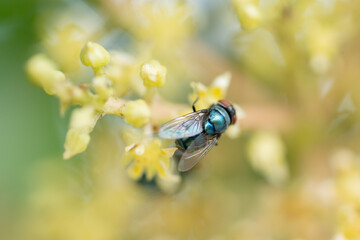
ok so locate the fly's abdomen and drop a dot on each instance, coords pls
(218, 121)
(183, 143)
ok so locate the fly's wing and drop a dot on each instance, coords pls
(197, 151)
(184, 126)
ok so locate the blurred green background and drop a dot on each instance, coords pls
(28, 129)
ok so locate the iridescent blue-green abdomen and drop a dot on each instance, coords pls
(184, 143)
(218, 120)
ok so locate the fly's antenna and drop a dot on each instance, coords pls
(193, 105)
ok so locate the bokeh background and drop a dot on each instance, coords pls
(293, 171)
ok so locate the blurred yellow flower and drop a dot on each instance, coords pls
(248, 13)
(147, 158)
(212, 94)
(322, 45)
(122, 71)
(82, 123)
(266, 153)
(136, 113)
(345, 163)
(64, 44)
(43, 72)
(153, 74)
(166, 24)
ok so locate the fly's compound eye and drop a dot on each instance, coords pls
(234, 119)
(230, 109)
(232, 113)
(225, 103)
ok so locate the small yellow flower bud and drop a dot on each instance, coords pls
(248, 14)
(153, 74)
(136, 113)
(94, 55)
(103, 87)
(76, 142)
(43, 72)
(82, 123)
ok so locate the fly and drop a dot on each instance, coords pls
(198, 132)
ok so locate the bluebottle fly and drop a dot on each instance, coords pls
(198, 132)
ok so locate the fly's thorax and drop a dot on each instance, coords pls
(218, 120)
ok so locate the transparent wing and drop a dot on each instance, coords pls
(184, 126)
(197, 151)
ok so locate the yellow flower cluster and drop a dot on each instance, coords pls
(99, 97)
(147, 158)
(312, 30)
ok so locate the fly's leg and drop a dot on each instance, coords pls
(217, 141)
(193, 105)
